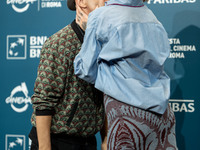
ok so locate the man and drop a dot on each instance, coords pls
(67, 111)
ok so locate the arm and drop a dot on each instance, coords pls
(103, 133)
(48, 89)
(43, 124)
(85, 63)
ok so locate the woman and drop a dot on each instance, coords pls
(123, 55)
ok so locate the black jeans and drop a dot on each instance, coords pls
(65, 142)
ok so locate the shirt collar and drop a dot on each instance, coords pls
(136, 3)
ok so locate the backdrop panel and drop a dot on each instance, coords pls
(26, 24)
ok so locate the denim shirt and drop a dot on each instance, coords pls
(123, 54)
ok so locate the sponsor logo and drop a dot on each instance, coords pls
(16, 47)
(178, 50)
(179, 105)
(20, 6)
(36, 43)
(170, 1)
(51, 3)
(19, 97)
(15, 142)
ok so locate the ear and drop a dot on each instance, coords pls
(81, 3)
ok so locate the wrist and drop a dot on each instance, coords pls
(45, 147)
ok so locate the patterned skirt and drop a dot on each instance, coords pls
(131, 128)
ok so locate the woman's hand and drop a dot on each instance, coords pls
(81, 18)
(104, 144)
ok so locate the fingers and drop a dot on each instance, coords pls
(81, 18)
(78, 18)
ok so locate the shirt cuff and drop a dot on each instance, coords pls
(44, 112)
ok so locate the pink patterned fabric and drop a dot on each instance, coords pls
(131, 128)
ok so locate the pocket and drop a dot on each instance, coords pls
(73, 111)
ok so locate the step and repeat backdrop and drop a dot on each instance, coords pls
(26, 24)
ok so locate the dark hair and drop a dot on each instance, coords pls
(145, 0)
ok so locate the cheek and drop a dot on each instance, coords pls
(94, 3)
(101, 3)
(92, 6)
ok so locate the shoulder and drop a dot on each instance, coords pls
(96, 16)
(63, 35)
(62, 41)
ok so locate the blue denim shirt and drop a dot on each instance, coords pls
(123, 54)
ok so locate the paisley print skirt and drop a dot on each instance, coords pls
(131, 128)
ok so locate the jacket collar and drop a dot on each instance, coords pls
(77, 29)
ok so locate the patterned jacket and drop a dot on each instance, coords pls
(74, 104)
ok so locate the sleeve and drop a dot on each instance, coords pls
(50, 81)
(85, 63)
